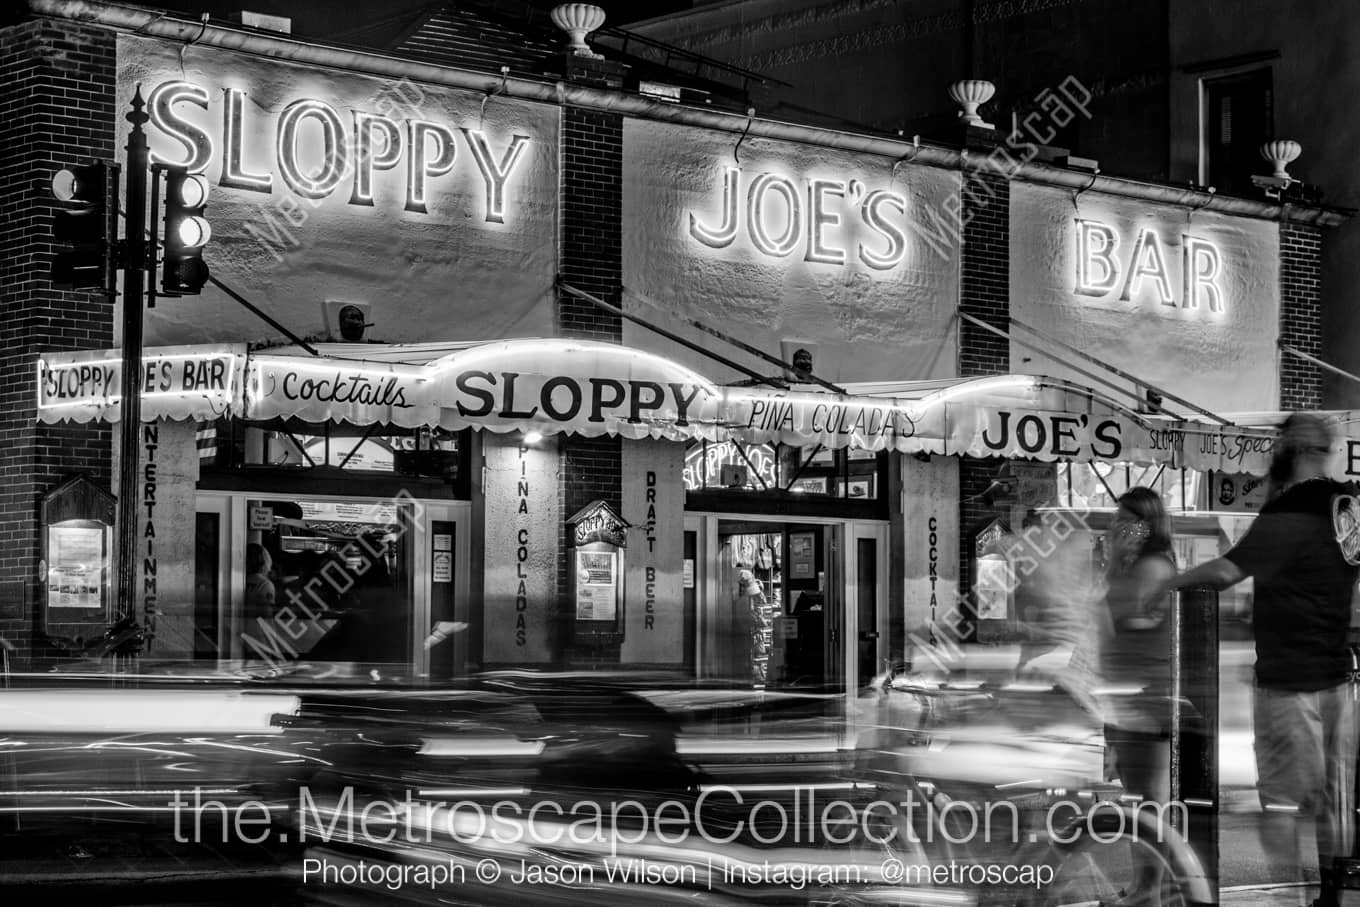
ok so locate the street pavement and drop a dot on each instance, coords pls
(1267, 896)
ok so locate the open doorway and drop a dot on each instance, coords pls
(775, 619)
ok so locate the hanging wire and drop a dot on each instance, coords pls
(750, 118)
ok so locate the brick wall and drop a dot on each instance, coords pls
(985, 289)
(56, 108)
(984, 294)
(1300, 315)
(591, 260)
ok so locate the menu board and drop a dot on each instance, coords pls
(75, 570)
(596, 585)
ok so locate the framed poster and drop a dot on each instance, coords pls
(597, 584)
(810, 485)
(802, 555)
(860, 487)
(77, 557)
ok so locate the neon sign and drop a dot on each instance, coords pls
(317, 150)
(827, 218)
(704, 462)
(1144, 274)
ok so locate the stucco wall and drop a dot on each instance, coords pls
(866, 322)
(1309, 48)
(447, 273)
(1225, 361)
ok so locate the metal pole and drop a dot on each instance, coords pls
(1196, 736)
(134, 286)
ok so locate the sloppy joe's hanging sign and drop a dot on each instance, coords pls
(202, 383)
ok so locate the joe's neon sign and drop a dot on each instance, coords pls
(1102, 271)
(822, 218)
(316, 150)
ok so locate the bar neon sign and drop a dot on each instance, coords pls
(1144, 273)
(317, 150)
(826, 219)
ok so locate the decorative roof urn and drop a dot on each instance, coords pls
(578, 20)
(1281, 153)
(971, 93)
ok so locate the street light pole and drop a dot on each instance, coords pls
(133, 264)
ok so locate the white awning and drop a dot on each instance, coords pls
(592, 389)
(178, 382)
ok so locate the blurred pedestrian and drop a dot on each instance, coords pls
(259, 586)
(1136, 664)
(1055, 601)
(1137, 653)
(1304, 714)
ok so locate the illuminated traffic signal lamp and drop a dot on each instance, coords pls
(183, 271)
(86, 225)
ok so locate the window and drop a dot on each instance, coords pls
(1096, 486)
(1238, 119)
(815, 472)
(231, 444)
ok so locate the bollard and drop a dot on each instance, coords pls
(1194, 726)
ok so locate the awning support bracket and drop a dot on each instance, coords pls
(1164, 394)
(615, 310)
(747, 348)
(368, 433)
(802, 467)
(1318, 362)
(262, 315)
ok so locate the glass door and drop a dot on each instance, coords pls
(216, 565)
(866, 594)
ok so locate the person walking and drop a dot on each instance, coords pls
(1304, 714)
(1136, 666)
(1137, 653)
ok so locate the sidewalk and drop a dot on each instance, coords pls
(1267, 895)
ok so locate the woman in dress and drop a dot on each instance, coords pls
(1138, 653)
(1139, 563)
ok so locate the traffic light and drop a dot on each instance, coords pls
(87, 225)
(183, 271)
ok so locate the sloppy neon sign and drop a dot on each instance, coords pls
(1144, 274)
(704, 462)
(825, 218)
(316, 150)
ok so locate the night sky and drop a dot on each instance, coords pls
(375, 23)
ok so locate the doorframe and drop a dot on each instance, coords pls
(231, 560)
(231, 508)
(856, 530)
(706, 581)
(460, 514)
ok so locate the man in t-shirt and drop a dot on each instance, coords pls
(1304, 716)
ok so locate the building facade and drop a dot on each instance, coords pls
(582, 377)
(1186, 93)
